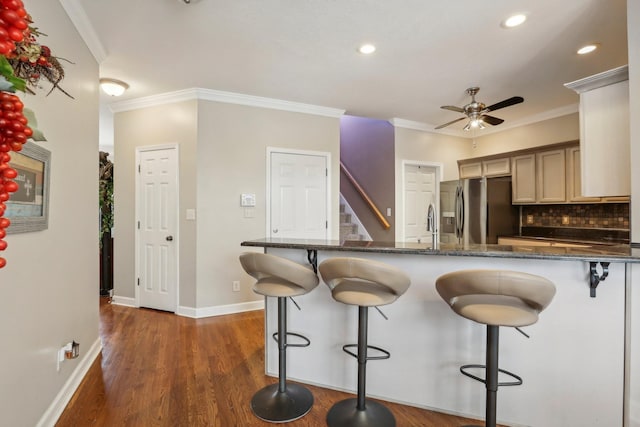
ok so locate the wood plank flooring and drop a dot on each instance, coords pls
(160, 369)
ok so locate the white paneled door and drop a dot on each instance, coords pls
(419, 191)
(157, 228)
(298, 195)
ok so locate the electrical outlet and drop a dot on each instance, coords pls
(529, 219)
(236, 286)
(565, 219)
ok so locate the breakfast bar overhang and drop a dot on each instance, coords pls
(574, 365)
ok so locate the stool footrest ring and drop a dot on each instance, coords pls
(306, 342)
(518, 380)
(385, 354)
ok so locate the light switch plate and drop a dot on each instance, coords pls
(247, 199)
(191, 214)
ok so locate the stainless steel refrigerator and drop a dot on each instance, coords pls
(483, 210)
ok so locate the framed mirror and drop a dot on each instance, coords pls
(28, 208)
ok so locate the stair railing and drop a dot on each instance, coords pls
(374, 209)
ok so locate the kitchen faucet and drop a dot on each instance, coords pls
(432, 225)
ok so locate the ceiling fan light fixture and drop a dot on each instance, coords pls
(113, 87)
(587, 49)
(514, 20)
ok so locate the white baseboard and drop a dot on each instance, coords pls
(53, 412)
(197, 313)
(126, 301)
(220, 310)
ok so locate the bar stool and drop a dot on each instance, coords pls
(495, 298)
(281, 278)
(365, 283)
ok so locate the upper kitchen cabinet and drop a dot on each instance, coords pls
(523, 179)
(574, 178)
(470, 170)
(489, 167)
(604, 133)
(551, 174)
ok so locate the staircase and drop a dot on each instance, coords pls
(349, 228)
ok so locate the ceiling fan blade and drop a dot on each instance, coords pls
(491, 120)
(450, 123)
(506, 103)
(453, 108)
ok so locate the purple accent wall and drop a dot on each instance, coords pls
(367, 151)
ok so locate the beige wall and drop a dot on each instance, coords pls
(559, 129)
(222, 155)
(50, 286)
(165, 124)
(430, 147)
(232, 142)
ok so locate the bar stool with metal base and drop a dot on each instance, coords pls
(281, 278)
(495, 298)
(364, 283)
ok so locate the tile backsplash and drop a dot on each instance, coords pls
(604, 215)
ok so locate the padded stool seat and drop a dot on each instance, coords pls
(365, 283)
(495, 298)
(281, 278)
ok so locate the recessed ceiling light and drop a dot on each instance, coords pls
(367, 49)
(587, 49)
(514, 20)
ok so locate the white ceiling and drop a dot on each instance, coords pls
(304, 51)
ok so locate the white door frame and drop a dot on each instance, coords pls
(439, 177)
(326, 155)
(137, 219)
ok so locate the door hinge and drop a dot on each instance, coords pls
(138, 225)
(326, 171)
(138, 281)
(326, 224)
(138, 168)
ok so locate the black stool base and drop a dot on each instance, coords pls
(346, 414)
(274, 406)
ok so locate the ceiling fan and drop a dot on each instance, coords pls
(476, 111)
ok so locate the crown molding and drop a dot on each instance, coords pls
(271, 103)
(546, 115)
(425, 127)
(80, 20)
(605, 78)
(154, 100)
(224, 97)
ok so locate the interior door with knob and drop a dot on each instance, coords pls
(298, 195)
(157, 226)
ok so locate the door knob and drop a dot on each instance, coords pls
(169, 238)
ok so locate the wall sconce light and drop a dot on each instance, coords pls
(113, 87)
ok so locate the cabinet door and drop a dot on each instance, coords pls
(574, 178)
(496, 167)
(470, 170)
(551, 186)
(523, 172)
(604, 139)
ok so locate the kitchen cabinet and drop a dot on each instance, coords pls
(470, 170)
(551, 175)
(496, 167)
(574, 178)
(604, 133)
(523, 179)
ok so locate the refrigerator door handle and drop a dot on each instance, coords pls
(459, 212)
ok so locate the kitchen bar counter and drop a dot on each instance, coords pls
(573, 365)
(594, 253)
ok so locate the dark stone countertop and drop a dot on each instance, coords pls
(596, 253)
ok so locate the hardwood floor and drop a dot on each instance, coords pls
(159, 369)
